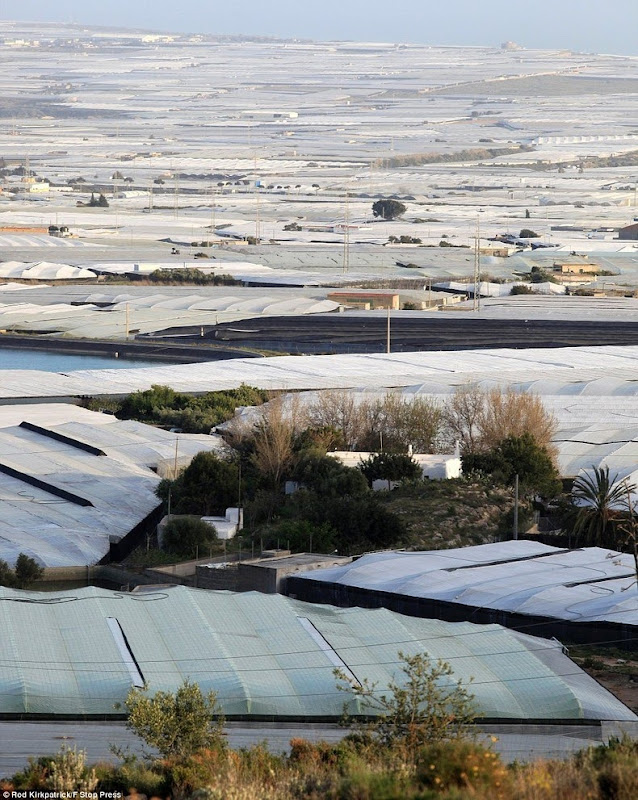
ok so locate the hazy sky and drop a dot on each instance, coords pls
(608, 26)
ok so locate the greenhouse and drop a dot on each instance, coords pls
(74, 483)
(266, 656)
(524, 584)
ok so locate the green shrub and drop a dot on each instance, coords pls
(133, 772)
(176, 724)
(521, 288)
(462, 765)
(187, 537)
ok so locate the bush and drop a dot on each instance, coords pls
(302, 536)
(538, 275)
(362, 523)
(521, 288)
(421, 707)
(390, 467)
(191, 275)
(66, 771)
(146, 778)
(327, 477)
(462, 765)
(517, 455)
(176, 724)
(209, 485)
(388, 209)
(188, 537)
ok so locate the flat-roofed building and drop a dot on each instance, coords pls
(366, 300)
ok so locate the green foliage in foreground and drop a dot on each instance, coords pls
(426, 706)
(354, 769)
(177, 724)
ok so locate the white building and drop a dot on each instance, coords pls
(435, 466)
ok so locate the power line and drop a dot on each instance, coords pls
(46, 665)
(469, 685)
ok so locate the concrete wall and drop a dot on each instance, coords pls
(92, 574)
(257, 575)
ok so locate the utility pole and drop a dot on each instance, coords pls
(476, 305)
(346, 235)
(387, 345)
(212, 216)
(258, 216)
(516, 506)
(127, 320)
(175, 460)
(258, 198)
(115, 193)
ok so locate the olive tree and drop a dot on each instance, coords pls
(424, 706)
(176, 724)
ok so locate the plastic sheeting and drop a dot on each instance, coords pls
(118, 485)
(500, 366)
(265, 655)
(584, 585)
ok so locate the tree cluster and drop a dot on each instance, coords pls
(98, 202)
(479, 420)
(388, 209)
(333, 508)
(501, 434)
(161, 405)
(391, 423)
(404, 240)
(191, 276)
(26, 572)
(518, 456)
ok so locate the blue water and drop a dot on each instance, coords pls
(11, 358)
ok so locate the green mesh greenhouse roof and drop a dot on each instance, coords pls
(79, 653)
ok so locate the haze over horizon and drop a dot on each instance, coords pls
(573, 24)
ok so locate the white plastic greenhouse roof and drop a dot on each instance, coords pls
(43, 270)
(95, 480)
(264, 655)
(449, 369)
(584, 585)
(108, 315)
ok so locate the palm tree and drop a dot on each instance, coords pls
(601, 497)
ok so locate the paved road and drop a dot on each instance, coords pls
(19, 740)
